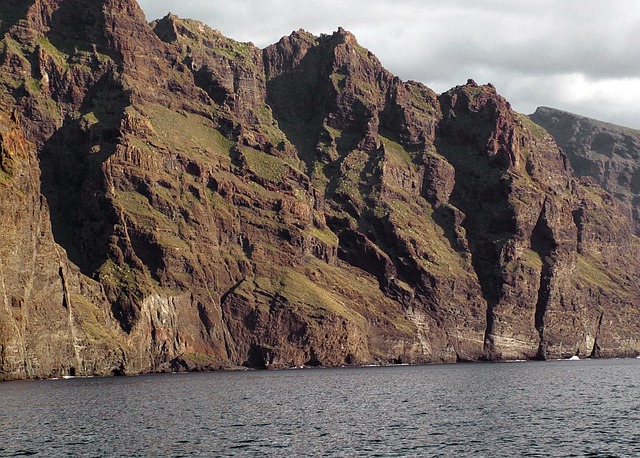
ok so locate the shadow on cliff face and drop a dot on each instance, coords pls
(303, 96)
(298, 99)
(544, 243)
(11, 12)
(78, 25)
(481, 193)
(73, 181)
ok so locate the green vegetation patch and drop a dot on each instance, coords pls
(147, 219)
(201, 359)
(538, 132)
(325, 235)
(264, 165)
(422, 98)
(593, 276)
(60, 58)
(187, 133)
(92, 322)
(351, 169)
(416, 228)
(528, 258)
(7, 162)
(339, 80)
(305, 296)
(118, 275)
(474, 92)
(204, 37)
(269, 127)
(9, 47)
(234, 50)
(358, 293)
(397, 153)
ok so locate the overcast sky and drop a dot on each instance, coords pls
(581, 56)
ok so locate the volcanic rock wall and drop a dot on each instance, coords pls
(176, 200)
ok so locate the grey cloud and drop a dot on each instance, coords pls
(534, 51)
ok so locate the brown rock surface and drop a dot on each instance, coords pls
(188, 202)
(607, 153)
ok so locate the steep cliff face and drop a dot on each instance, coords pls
(607, 153)
(191, 202)
(53, 320)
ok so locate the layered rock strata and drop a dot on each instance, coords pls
(176, 200)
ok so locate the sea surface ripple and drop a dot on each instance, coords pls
(585, 408)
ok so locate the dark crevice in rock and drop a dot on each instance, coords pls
(165, 29)
(227, 319)
(204, 318)
(596, 351)
(259, 357)
(11, 12)
(79, 26)
(450, 220)
(475, 136)
(543, 243)
(481, 195)
(149, 251)
(357, 250)
(542, 304)
(578, 219)
(65, 293)
(298, 103)
(313, 360)
(206, 80)
(119, 371)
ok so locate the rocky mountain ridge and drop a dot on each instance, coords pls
(184, 201)
(607, 153)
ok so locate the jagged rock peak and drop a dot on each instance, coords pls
(172, 27)
(105, 24)
(348, 36)
(338, 37)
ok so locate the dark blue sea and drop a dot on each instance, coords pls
(587, 408)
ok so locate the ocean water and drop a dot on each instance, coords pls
(564, 408)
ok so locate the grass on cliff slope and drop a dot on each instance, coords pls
(121, 276)
(400, 156)
(422, 98)
(165, 230)
(92, 321)
(10, 49)
(202, 36)
(187, 133)
(353, 176)
(539, 133)
(426, 240)
(317, 290)
(266, 166)
(592, 275)
(602, 278)
(267, 125)
(414, 220)
(325, 235)
(59, 57)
